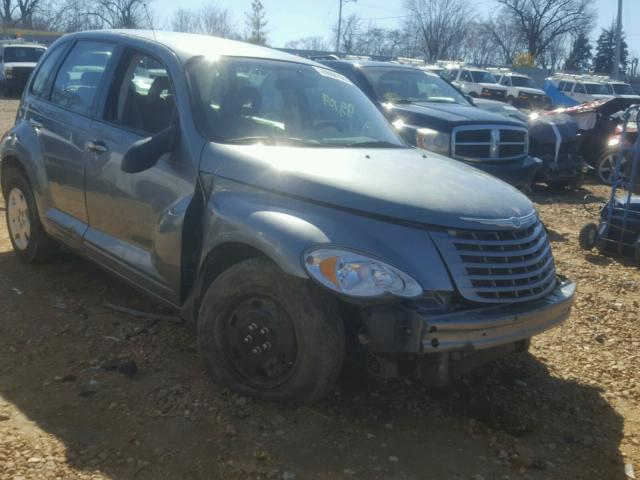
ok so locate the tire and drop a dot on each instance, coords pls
(588, 236)
(30, 242)
(605, 167)
(295, 325)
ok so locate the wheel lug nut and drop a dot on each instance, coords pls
(256, 350)
(252, 327)
(266, 345)
(248, 339)
(264, 330)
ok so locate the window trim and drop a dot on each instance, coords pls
(108, 72)
(116, 84)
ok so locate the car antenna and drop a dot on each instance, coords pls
(153, 30)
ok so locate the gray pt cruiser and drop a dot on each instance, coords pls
(268, 200)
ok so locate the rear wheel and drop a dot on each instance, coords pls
(30, 242)
(270, 336)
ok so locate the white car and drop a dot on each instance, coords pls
(522, 91)
(583, 90)
(620, 89)
(476, 82)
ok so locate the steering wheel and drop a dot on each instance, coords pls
(328, 123)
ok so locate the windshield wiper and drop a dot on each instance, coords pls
(273, 141)
(375, 144)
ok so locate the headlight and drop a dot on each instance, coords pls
(433, 140)
(8, 72)
(613, 141)
(356, 275)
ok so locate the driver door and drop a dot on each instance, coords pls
(135, 219)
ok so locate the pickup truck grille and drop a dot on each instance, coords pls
(499, 266)
(493, 93)
(489, 142)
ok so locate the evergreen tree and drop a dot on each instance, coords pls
(580, 56)
(257, 24)
(606, 51)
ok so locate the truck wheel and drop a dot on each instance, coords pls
(270, 336)
(588, 236)
(30, 242)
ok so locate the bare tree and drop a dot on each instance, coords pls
(6, 14)
(207, 20)
(185, 20)
(257, 23)
(542, 22)
(317, 44)
(507, 36)
(442, 25)
(350, 34)
(119, 13)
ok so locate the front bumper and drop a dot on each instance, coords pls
(567, 168)
(519, 173)
(407, 330)
(497, 325)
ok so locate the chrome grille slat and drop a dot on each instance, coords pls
(486, 142)
(500, 265)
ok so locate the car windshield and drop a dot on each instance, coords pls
(523, 82)
(622, 89)
(596, 89)
(483, 77)
(22, 54)
(398, 85)
(255, 101)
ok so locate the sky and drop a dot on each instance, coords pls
(294, 19)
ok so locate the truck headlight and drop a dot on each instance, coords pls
(433, 140)
(8, 72)
(357, 275)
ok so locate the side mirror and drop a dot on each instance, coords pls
(146, 152)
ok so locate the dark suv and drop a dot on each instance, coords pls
(432, 114)
(265, 198)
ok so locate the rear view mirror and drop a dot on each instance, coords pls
(146, 152)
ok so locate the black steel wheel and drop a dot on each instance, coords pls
(588, 236)
(269, 335)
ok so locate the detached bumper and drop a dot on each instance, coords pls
(497, 325)
(519, 173)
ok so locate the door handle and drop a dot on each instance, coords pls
(97, 147)
(35, 124)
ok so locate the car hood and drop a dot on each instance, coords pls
(493, 86)
(453, 114)
(401, 184)
(532, 91)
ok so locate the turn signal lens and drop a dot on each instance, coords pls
(357, 275)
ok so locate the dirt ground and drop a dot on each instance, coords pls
(568, 410)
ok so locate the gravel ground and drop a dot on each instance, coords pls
(568, 410)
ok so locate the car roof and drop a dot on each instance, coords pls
(188, 45)
(368, 63)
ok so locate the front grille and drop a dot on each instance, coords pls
(489, 142)
(493, 93)
(499, 266)
(21, 73)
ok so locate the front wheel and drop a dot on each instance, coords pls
(271, 336)
(606, 167)
(30, 242)
(588, 236)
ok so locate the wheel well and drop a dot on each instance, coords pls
(7, 164)
(222, 257)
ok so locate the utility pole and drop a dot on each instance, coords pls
(615, 72)
(340, 24)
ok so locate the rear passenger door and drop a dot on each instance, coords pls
(135, 219)
(61, 117)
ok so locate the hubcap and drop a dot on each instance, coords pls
(607, 169)
(260, 342)
(18, 215)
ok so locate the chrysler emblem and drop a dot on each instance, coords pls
(513, 222)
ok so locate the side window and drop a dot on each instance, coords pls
(144, 99)
(466, 76)
(568, 87)
(505, 81)
(579, 88)
(561, 85)
(77, 82)
(42, 79)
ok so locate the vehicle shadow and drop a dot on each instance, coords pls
(60, 387)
